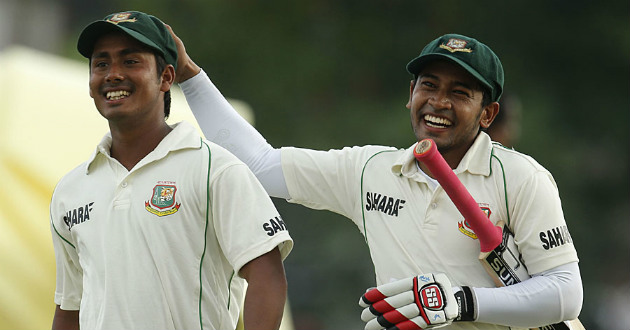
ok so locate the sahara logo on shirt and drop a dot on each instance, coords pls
(464, 226)
(274, 226)
(555, 237)
(78, 216)
(382, 203)
(162, 202)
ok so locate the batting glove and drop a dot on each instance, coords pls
(420, 302)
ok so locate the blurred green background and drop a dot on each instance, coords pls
(327, 74)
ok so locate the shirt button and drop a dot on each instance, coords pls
(124, 184)
(433, 205)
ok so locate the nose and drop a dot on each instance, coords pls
(114, 74)
(440, 101)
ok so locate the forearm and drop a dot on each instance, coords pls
(264, 305)
(219, 121)
(65, 320)
(266, 292)
(547, 298)
(550, 297)
(222, 125)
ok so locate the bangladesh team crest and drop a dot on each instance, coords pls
(120, 18)
(163, 201)
(464, 226)
(456, 45)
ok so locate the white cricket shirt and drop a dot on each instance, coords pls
(412, 229)
(160, 246)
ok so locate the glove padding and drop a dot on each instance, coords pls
(419, 302)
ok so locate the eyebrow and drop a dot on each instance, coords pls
(457, 83)
(126, 51)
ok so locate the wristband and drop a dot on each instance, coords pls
(466, 304)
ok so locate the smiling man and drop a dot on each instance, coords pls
(160, 228)
(413, 230)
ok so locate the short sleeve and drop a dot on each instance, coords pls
(246, 221)
(69, 275)
(327, 180)
(540, 229)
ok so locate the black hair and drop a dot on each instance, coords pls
(487, 96)
(161, 65)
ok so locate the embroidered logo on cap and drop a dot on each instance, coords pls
(121, 17)
(456, 45)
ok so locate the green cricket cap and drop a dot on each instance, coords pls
(147, 29)
(475, 57)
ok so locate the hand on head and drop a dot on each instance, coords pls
(186, 68)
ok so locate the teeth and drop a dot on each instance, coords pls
(117, 95)
(437, 121)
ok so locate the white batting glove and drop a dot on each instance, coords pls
(419, 302)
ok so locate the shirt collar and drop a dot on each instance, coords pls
(476, 160)
(183, 136)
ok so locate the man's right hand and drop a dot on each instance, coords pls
(419, 302)
(186, 68)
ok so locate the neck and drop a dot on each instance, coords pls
(452, 156)
(132, 145)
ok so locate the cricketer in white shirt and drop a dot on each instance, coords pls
(160, 246)
(407, 219)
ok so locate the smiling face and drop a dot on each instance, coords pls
(445, 104)
(124, 81)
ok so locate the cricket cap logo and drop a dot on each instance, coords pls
(464, 226)
(121, 17)
(162, 202)
(456, 45)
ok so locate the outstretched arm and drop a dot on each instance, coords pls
(222, 125)
(266, 291)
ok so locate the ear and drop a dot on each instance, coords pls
(411, 87)
(488, 114)
(168, 78)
